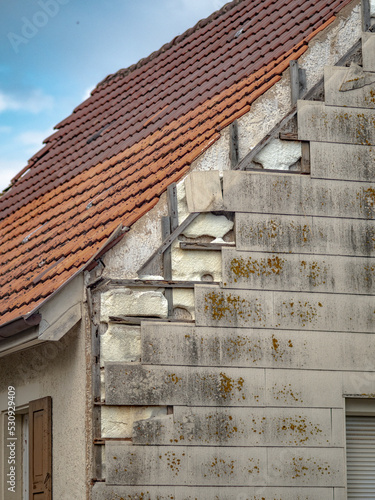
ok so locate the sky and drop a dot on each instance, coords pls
(54, 52)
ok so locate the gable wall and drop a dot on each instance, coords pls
(257, 382)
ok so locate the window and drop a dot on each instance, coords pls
(360, 448)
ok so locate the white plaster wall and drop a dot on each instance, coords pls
(56, 369)
(126, 302)
(117, 421)
(120, 343)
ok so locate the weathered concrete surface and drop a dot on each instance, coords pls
(316, 235)
(176, 465)
(342, 161)
(124, 301)
(284, 310)
(164, 344)
(317, 122)
(267, 193)
(117, 421)
(279, 155)
(120, 343)
(305, 273)
(362, 97)
(368, 51)
(103, 492)
(240, 427)
(176, 385)
(203, 191)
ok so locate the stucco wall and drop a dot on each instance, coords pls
(56, 369)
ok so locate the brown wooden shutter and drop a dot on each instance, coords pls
(40, 449)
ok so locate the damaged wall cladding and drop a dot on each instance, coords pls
(248, 401)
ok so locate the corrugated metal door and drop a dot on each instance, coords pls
(360, 456)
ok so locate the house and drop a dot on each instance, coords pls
(187, 272)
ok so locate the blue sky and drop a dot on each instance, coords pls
(53, 52)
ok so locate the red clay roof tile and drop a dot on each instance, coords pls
(112, 158)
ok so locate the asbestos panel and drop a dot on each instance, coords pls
(238, 427)
(363, 97)
(368, 51)
(175, 385)
(257, 348)
(180, 465)
(359, 384)
(103, 492)
(300, 272)
(307, 466)
(289, 194)
(284, 310)
(302, 235)
(318, 122)
(203, 191)
(304, 388)
(342, 161)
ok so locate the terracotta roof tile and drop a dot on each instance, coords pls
(112, 158)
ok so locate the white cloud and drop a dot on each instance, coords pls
(8, 169)
(35, 102)
(87, 92)
(33, 139)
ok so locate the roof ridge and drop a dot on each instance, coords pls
(179, 38)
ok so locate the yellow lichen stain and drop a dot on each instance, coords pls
(285, 392)
(298, 429)
(229, 385)
(236, 347)
(304, 310)
(173, 462)
(313, 272)
(233, 306)
(242, 268)
(301, 465)
(254, 469)
(174, 378)
(219, 467)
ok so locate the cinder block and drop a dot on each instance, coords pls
(342, 161)
(238, 427)
(203, 191)
(361, 97)
(318, 122)
(174, 385)
(177, 465)
(284, 310)
(316, 235)
(299, 272)
(127, 302)
(267, 193)
(368, 51)
(258, 348)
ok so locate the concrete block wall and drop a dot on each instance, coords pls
(249, 401)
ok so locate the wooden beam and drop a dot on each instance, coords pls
(366, 15)
(187, 245)
(173, 206)
(233, 144)
(167, 262)
(137, 320)
(156, 283)
(288, 136)
(305, 158)
(169, 240)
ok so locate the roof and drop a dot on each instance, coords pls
(108, 163)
